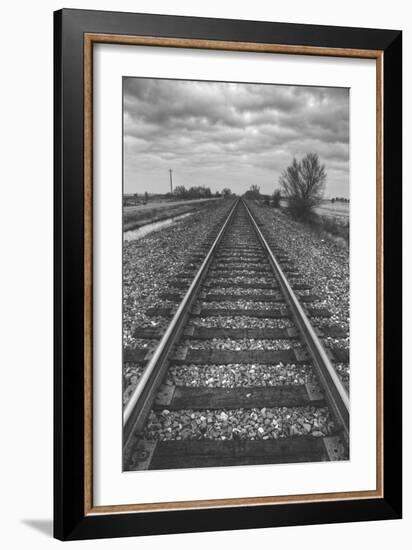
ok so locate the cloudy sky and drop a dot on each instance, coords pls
(233, 135)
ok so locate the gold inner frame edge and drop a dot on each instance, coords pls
(89, 40)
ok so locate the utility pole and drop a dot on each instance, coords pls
(171, 181)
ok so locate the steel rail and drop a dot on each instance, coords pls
(141, 400)
(336, 394)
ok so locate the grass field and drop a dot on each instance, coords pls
(137, 216)
(333, 218)
(335, 210)
(330, 209)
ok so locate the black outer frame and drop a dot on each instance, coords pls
(70, 522)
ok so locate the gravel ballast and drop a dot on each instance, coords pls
(215, 281)
(243, 304)
(247, 292)
(323, 265)
(242, 321)
(157, 262)
(252, 424)
(242, 344)
(150, 263)
(131, 376)
(238, 375)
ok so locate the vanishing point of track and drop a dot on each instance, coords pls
(237, 247)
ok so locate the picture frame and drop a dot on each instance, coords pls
(76, 32)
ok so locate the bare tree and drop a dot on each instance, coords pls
(303, 184)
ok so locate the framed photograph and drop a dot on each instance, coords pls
(227, 274)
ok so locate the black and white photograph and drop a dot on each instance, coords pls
(236, 201)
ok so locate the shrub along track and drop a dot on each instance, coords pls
(240, 376)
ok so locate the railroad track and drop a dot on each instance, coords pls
(299, 415)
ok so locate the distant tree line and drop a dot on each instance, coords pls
(270, 200)
(253, 192)
(180, 192)
(339, 199)
(199, 192)
(135, 199)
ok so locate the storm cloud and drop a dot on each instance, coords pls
(233, 135)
